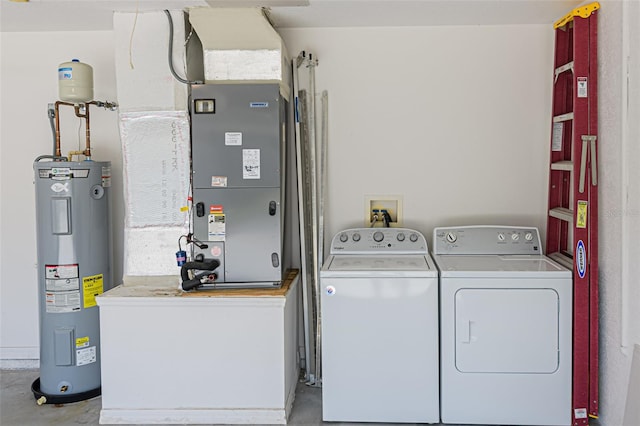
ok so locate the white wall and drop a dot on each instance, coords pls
(619, 197)
(453, 119)
(29, 82)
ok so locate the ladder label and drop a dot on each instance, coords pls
(581, 259)
(581, 221)
(556, 141)
(582, 87)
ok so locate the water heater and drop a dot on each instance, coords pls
(238, 142)
(73, 204)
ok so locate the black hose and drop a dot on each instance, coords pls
(176, 76)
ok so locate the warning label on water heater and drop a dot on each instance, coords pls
(62, 286)
(91, 287)
(86, 356)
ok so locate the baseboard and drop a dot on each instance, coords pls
(19, 358)
(193, 416)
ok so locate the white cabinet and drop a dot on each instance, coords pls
(221, 356)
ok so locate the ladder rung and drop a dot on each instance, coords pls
(562, 213)
(567, 166)
(563, 117)
(562, 259)
(563, 68)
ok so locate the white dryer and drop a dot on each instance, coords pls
(506, 326)
(379, 311)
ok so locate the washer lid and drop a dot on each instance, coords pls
(405, 265)
(499, 266)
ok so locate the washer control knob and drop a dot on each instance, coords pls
(343, 238)
(515, 237)
(528, 236)
(451, 237)
(500, 236)
(355, 237)
(400, 236)
(378, 236)
(413, 237)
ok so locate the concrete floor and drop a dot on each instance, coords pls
(18, 406)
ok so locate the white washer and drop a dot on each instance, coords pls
(506, 324)
(379, 310)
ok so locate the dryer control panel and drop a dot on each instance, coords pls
(379, 240)
(487, 239)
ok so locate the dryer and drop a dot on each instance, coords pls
(379, 311)
(506, 324)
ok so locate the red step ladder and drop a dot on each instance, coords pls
(572, 224)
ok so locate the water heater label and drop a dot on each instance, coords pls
(86, 356)
(250, 164)
(62, 301)
(106, 177)
(91, 287)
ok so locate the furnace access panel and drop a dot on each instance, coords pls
(238, 137)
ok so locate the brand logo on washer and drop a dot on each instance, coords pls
(581, 258)
(331, 290)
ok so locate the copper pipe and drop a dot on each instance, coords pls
(76, 107)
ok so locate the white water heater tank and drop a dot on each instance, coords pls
(75, 82)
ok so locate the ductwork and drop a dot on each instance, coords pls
(240, 45)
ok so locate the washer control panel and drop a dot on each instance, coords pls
(487, 239)
(379, 240)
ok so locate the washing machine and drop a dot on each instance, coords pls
(506, 324)
(379, 316)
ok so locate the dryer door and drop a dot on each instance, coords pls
(506, 330)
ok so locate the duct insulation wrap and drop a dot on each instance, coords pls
(240, 45)
(155, 147)
(73, 216)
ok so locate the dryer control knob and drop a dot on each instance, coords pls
(343, 238)
(528, 236)
(451, 237)
(378, 236)
(413, 238)
(356, 237)
(400, 236)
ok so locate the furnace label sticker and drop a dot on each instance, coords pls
(217, 229)
(250, 164)
(91, 287)
(86, 356)
(233, 138)
(219, 181)
(581, 221)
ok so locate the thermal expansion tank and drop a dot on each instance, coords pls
(73, 205)
(238, 148)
